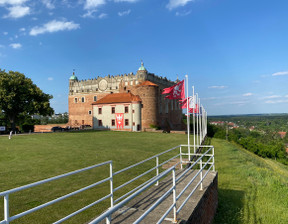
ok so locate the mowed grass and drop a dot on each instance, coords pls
(251, 189)
(28, 158)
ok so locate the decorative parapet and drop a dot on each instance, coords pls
(111, 83)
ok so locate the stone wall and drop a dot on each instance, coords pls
(47, 127)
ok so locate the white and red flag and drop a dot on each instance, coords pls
(175, 92)
(192, 107)
(119, 120)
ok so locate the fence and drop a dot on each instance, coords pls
(115, 204)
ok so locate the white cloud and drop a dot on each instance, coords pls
(48, 4)
(2, 46)
(280, 73)
(276, 101)
(124, 13)
(217, 87)
(271, 97)
(247, 94)
(54, 26)
(50, 79)
(182, 13)
(92, 4)
(5, 33)
(125, 0)
(102, 16)
(12, 2)
(177, 3)
(22, 29)
(15, 45)
(17, 11)
(89, 14)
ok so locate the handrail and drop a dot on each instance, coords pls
(126, 200)
(3, 193)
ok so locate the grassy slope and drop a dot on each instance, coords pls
(26, 159)
(251, 189)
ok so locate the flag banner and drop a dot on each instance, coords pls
(119, 120)
(175, 92)
(191, 103)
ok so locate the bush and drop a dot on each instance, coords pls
(27, 128)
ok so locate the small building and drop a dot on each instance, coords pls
(118, 111)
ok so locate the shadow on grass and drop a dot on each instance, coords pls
(230, 206)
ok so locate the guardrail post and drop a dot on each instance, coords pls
(181, 162)
(174, 197)
(157, 169)
(6, 208)
(201, 175)
(213, 159)
(108, 219)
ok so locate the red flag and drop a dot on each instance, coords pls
(119, 120)
(191, 103)
(175, 92)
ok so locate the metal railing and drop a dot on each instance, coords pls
(115, 204)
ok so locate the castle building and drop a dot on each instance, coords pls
(129, 102)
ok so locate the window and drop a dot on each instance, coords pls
(126, 122)
(83, 99)
(113, 110)
(95, 98)
(100, 123)
(126, 109)
(89, 112)
(133, 123)
(133, 111)
(75, 100)
(100, 110)
(113, 122)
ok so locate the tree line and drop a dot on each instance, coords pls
(266, 144)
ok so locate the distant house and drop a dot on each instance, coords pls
(217, 122)
(282, 134)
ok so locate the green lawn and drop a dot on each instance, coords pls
(251, 189)
(28, 158)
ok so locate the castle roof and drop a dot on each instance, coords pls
(142, 68)
(118, 98)
(73, 77)
(147, 83)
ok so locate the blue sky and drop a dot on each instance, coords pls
(234, 51)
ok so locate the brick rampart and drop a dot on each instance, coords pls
(205, 210)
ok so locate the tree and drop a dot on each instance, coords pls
(20, 97)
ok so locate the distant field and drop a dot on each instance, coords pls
(251, 189)
(28, 158)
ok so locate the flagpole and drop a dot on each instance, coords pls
(197, 120)
(188, 119)
(194, 119)
(200, 124)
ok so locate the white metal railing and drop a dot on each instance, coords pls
(123, 199)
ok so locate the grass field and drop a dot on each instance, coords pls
(251, 189)
(29, 158)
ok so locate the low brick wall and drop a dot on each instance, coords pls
(205, 210)
(47, 127)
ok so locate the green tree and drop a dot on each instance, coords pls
(20, 97)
